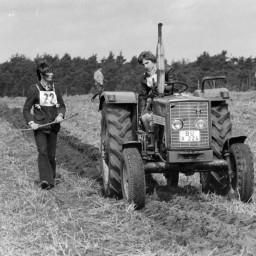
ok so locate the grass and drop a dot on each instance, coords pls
(74, 218)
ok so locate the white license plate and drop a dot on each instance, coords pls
(189, 136)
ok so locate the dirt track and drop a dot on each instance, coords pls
(189, 218)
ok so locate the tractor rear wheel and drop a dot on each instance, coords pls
(116, 128)
(221, 127)
(241, 163)
(218, 182)
(133, 178)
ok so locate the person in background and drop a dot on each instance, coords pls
(45, 98)
(148, 85)
(99, 81)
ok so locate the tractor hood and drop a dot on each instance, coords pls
(161, 105)
(177, 97)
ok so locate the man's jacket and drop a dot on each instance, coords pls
(144, 90)
(42, 106)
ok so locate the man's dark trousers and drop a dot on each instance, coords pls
(46, 146)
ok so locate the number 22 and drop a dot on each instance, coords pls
(51, 95)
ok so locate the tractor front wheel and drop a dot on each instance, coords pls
(133, 178)
(242, 178)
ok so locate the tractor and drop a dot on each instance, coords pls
(192, 132)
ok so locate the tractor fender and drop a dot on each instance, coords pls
(232, 140)
(112, 97)
(217, 94)
(132, 144)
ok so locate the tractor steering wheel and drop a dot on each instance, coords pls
(179, 90)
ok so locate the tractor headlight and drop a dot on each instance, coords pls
(201, 124)
(177, 124)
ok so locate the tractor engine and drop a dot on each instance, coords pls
(186, 122)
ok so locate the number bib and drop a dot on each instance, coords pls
(48, 98)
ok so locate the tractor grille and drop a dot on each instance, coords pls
(189, 112)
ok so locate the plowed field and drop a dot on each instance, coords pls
(186, 223)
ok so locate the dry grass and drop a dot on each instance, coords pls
(243, 110)
(74, 219)
(86, 126)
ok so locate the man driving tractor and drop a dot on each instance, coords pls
(148, 88)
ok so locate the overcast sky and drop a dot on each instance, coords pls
(82, 28)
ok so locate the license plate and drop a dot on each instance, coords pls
(189, 136)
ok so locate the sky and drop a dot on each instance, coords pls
(83, 28)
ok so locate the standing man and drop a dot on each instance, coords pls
(99, 81)
(46, 99)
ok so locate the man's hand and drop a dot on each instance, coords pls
(33, 125)
(59, 118)
(168, 88)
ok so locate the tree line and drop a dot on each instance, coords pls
(75, 75)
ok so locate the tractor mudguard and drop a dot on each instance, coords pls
(213, 94)
(232, 140)
(112, 97)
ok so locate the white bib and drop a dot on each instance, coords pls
(47, 98)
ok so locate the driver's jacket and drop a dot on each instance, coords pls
(145, 90)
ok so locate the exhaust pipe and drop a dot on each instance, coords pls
(160, 61)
